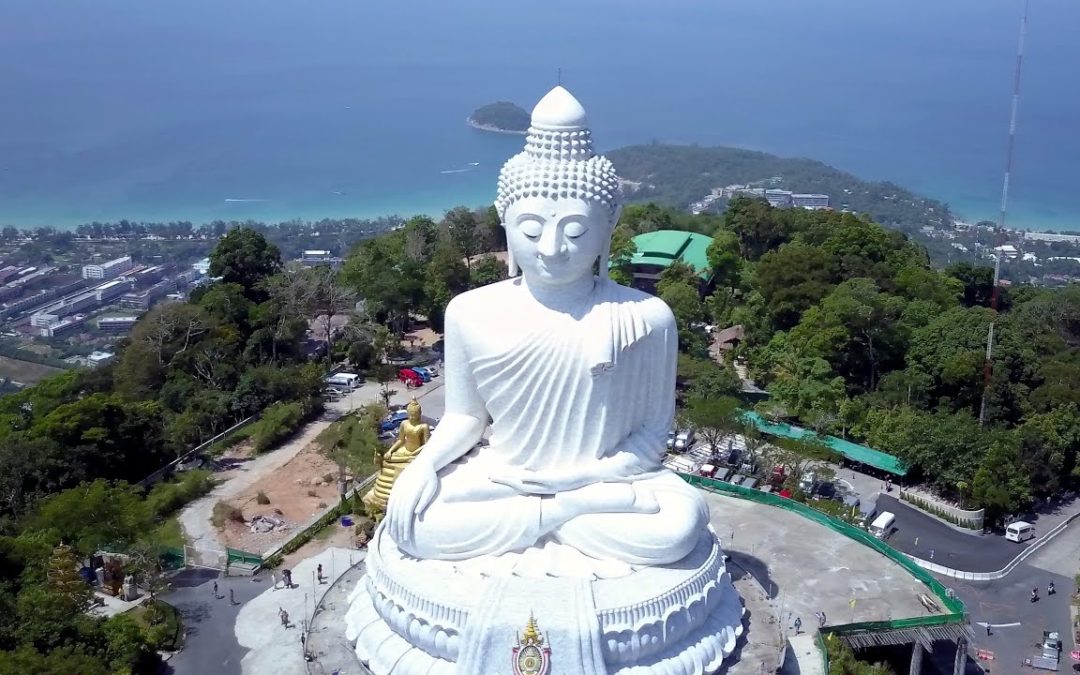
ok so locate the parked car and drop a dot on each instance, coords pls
(410, 377)
(424, 373)
(826, 490)
(671, 439)
(392, 421)
(684, 440)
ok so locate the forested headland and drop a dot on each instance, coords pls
(677, 175)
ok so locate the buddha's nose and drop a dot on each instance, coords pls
(551, 245)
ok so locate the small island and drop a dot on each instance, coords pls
(501, 117)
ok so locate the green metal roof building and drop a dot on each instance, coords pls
(657, 250)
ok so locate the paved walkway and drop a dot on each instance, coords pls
(329, 649)
(195, 517)
(210, 644)
(273, 649)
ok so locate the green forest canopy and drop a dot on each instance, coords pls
(502, 115)
(678, 175)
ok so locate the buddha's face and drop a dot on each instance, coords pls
(556, 241)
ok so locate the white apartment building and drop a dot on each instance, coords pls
(108, 270)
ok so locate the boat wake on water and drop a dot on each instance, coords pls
(467, 168)
(232, 201)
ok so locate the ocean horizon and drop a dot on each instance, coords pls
(277, 111)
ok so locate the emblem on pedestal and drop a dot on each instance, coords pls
(531, 655)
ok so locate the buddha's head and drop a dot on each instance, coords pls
(413, 409)
(557, 200)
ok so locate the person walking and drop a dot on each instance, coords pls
(216, 591)
(823, 619)
(987, 629)
(1050, 588)
(285, 619)
(273, 577)
(318, 573)
(1035, 594)
(232, 597)
(798, 625)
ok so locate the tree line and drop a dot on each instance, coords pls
(854, 333)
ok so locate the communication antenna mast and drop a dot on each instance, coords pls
(988, 369)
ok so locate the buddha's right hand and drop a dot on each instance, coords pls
(413, 491)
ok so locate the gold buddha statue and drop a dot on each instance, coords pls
(412, 436)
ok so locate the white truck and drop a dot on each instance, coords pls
(344, 381)
(882, 525)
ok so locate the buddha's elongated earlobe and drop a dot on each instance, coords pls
(605, 259)
(511, 264)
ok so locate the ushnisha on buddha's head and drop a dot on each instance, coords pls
(413, 409)
(557, 200)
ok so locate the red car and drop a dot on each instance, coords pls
(410, 377)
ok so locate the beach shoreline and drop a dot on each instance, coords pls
(492, 129)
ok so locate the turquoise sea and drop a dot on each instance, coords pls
(279, 109)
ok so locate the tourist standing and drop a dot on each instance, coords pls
(318, 573)
(215, 591)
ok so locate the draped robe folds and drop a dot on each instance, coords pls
(565, 393)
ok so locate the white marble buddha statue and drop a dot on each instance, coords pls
(566, 520)
(575, 372)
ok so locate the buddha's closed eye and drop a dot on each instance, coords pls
(531, 228)
(574, 229)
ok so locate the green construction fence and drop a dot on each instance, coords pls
(243, 557)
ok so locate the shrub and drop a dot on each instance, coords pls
(223, 513)
(328, 478)
(941, 513)
(312, 493)
(166, 498)
(261, 498)
(277, 423)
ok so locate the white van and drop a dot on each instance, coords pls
(1020, 531)
(882, 525)
(344, 380)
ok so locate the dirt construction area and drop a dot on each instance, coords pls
(297, 492)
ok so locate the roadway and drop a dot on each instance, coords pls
(922, 536)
